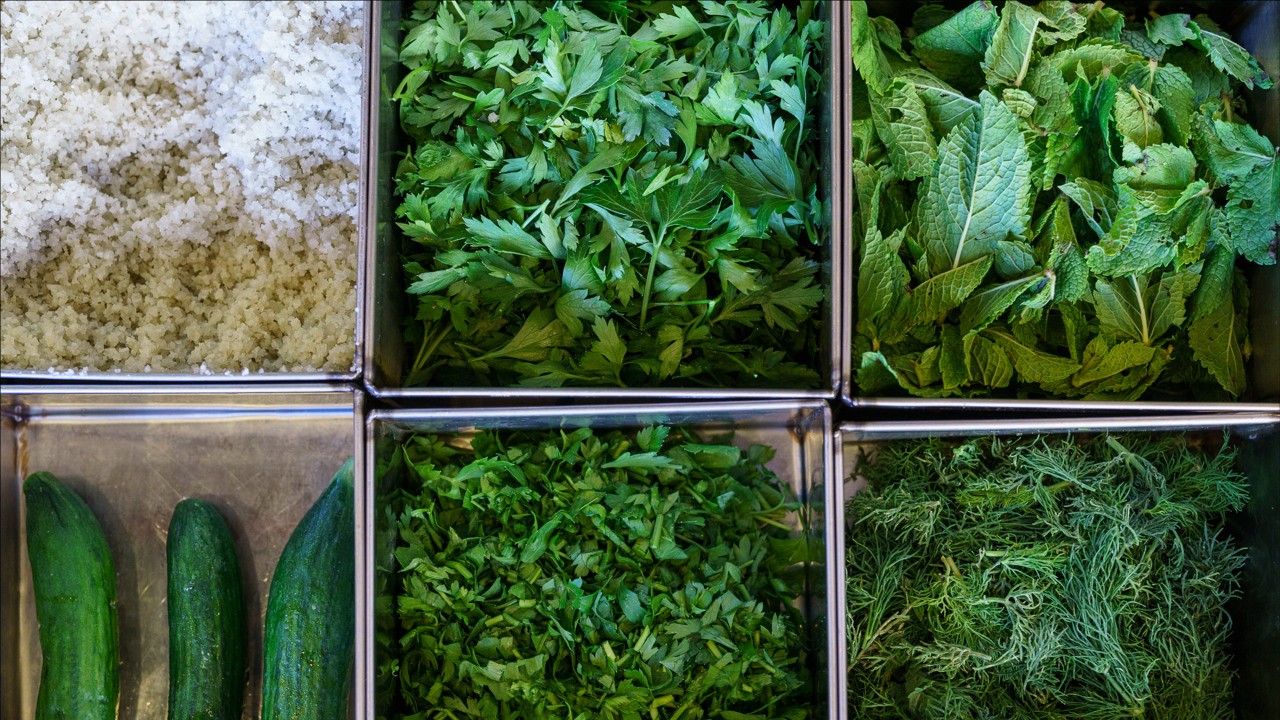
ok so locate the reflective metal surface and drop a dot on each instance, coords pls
(260, 455)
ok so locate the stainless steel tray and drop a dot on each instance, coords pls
(800, 431)
(382, 302)
(1256, 616)
(232, 378)
(261, 454)
(1253, 24)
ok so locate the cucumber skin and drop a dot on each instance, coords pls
(74, 582)
(206, 616)
(310, 627)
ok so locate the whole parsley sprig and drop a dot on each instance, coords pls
(609, 574)
(1048, 577)
(613, 194)
(1052, 200)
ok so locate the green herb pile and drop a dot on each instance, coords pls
(612, 193)
(1042, 578)
(578, 574)
(1052, 199)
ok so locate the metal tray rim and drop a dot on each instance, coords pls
(1150, 423)
(574, 411)
(178, 389)
(1066, 406)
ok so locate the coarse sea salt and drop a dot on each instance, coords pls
(186, 175)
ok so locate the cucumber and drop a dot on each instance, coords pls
(206, 616)
(74, 582)
(310, 629)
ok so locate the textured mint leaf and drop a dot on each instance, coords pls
(1058, 249)
(1171, 30)
(1137, 41)
(946, 106)
(1216, 278)
(977, 194)
(1101, 362)
(953, 50)
(1123, 308)
(868, 56)
(1096, 201)
(1253, 214)
(1067, 19)
(875, 375)
(1093, 59)
(951, 359)
(1136, 309)
(1020, 102)
(985, 306)
(1053, 110)
(1136, 117)
(988, 363)
(1021, 34)
(1159, 176)
(1207, 81)
(1171, 87)
(1095, 105)
(938, 295)
(1227, 56)
(1231, 150)
(902, 122)
(1138, 242)
(1215, 339)
(882, 280)
(1033, 365)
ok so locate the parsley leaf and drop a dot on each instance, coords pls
(584, 573)
(581, 176)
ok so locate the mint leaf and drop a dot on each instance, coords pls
(977, 193)
(1227, 56)
(1215, 341)
(953, 50)
(1084, 192)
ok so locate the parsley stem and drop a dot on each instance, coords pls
(425, 352)
(648, 278)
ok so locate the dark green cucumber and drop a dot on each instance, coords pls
(310, 629)
(206, 616)
(74, 581)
